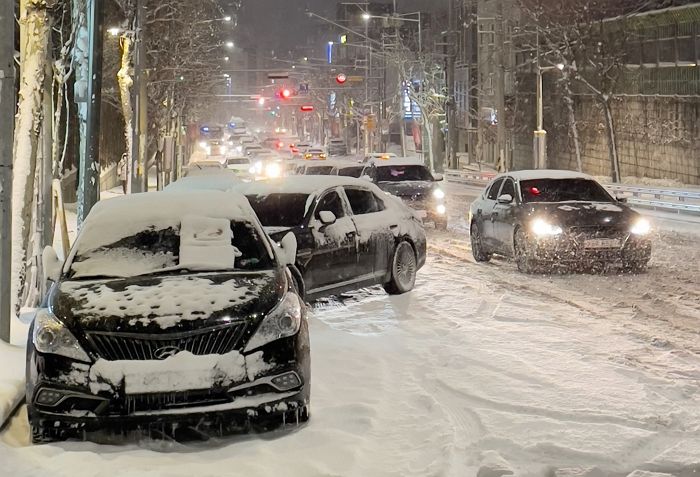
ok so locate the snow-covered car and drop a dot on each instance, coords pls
(348, 169)
(240, 165)
(315, 169)
(223, 181)
(350, 234)
(413, 183)
(169, 313)
(204, 167)
(549, 217)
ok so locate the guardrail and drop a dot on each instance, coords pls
(669, 200)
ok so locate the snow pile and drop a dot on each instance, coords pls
(12, 362)
(170, 301)
(205, 244)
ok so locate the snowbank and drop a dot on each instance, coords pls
(11, 379)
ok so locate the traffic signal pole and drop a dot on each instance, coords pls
(7, 127)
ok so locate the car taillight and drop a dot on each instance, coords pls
(280, 145)
(295, 150)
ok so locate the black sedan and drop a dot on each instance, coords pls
(172, 316)
(413, 183)
(546, 218)
(350, 234)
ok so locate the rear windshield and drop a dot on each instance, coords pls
(280, 210)
(318, 171)
(242, 160)
(563, 190)
(351, 171)
(403, 173)
(152, 251)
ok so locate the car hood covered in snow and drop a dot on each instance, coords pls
(408, 188)
(584, 214)
(162, 304)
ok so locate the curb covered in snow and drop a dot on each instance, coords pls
(12, 380)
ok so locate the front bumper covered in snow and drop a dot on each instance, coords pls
(572, 248)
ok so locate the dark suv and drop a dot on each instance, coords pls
(173, 311)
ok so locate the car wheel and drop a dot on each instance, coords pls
(478, 251)
(404, 267)
(523, 257)
(635, 266)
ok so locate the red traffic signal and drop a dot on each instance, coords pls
(307, 108)
(341, 78)
(286, 93)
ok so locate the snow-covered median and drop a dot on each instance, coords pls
(11, 379)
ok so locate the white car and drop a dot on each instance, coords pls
(239, 165)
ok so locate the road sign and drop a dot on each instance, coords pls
(278, 75)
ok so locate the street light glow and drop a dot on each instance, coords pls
(366, 16)
(560, 66)
(114, 31)
(229, 44)
(227, 18)
(226, 58)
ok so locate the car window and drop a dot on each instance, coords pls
(493, 192)
(403, 173)
(280, 210)
(351, 171)
(364, 201)
(331, 202)
(508, 188)
(563, 190)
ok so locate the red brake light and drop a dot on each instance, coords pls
(280, 145)
(535, 191)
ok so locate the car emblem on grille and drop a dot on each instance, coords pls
(166, 352)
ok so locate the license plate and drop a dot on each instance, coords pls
(602, 243)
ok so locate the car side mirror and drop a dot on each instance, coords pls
(505, 199)
(51, 264)
(438, 177)
(622, 200)
(288, 249)
(327, 217)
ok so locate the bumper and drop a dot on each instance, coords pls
(433, 210)
(575, 250)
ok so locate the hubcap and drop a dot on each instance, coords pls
(405, 266)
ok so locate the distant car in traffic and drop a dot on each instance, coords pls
(173, 311)
(547, 218)
(349, 233)
(202, 167)
(413, 183)
(315, 154)
(348, 169)
(337, 147)
(316, 169)
(240, 165)
(379, 156)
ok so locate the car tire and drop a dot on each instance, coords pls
(523, 256)
(477, 246)
(635, 266)
(404, 267)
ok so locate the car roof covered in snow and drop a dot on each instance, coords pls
(398, 161)
(221, 180)
(114, 219)
(302, 185)
(545, 174)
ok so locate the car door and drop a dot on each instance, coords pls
(375, 225)
(503, 217)
(333, 257)
(484, 213)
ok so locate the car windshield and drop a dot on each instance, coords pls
(351, 171)
(563, 190)
(280, 210)
(237, 161)
(153, 251)
(318, 171)
(403, 173)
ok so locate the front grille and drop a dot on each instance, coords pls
(174, 400)
(136, 346)
(597, 231)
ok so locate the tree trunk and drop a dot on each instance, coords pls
(573, 125)
(612, 139)
(29, 116)
(125, 82)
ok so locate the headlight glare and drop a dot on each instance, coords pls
(282, 322)
(52, 337)
(541, 227)
(439, 194)
(641, 227)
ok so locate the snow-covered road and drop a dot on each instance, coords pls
(479, 368)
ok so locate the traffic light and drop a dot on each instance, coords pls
(341, 78)
(307, 108)
(286, 93)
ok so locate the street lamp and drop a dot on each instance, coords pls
(229, 44)
(114, 31)
(366, 16)
(540, 135)
(227, 18)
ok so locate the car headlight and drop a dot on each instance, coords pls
(543, 228)
(52, 337)
(273, 170)
(641, 227)
(441, 209)
(283, 321)
(439, 194)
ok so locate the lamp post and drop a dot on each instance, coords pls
(540, 135)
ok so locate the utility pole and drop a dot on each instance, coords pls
(7, 131)
(140, 102)
(88, 174)
(501, 87)
(451, 106)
